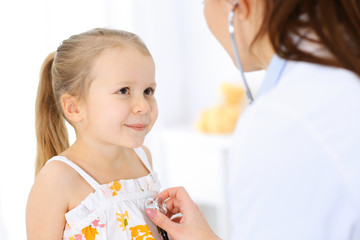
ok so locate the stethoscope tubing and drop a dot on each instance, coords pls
(236, 53)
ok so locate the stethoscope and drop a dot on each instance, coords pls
(274, 71)
(236, 52)
(159, 205)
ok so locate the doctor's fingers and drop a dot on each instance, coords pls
(185, 209)
(172, 212)
(178, 201)
(178, 195)
(174, 206)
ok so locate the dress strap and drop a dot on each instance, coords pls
(94, 184)
(142, 155)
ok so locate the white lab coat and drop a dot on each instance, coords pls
(295, 163)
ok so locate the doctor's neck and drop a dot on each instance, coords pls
(263, 51)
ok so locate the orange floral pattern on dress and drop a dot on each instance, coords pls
(141, 232)
(123, 219)
(90, 233)
(76, 237)
(116, 186)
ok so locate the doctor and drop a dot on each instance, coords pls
(295, 163)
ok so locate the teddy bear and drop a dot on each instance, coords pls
(222, 118)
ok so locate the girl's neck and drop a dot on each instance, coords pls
(96, 155)
(106, 163)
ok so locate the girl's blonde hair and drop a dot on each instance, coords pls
(66, 71)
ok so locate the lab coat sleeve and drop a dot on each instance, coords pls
(284, 185)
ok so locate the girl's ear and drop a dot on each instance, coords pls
(71, 108)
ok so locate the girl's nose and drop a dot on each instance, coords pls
(141, 105)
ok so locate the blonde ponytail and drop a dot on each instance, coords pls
(51, 131)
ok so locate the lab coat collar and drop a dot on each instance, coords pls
(273, 74)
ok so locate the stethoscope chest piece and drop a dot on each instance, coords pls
(159, 205)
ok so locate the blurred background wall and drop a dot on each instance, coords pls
(190, 65)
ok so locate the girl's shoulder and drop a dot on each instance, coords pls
(48, 201)
(59, 173)
(59, 182)
(55, 178)
(56, 190)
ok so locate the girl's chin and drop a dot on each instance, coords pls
(135, 144)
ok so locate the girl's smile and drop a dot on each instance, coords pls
(137, 127)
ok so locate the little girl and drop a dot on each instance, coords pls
(102, 82)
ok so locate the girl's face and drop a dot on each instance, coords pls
(120, 108)
(246, 22)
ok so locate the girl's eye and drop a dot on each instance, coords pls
(149, 91)
(124, 91)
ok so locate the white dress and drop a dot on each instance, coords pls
(115, 210)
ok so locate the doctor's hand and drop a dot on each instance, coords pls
(191, 225)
